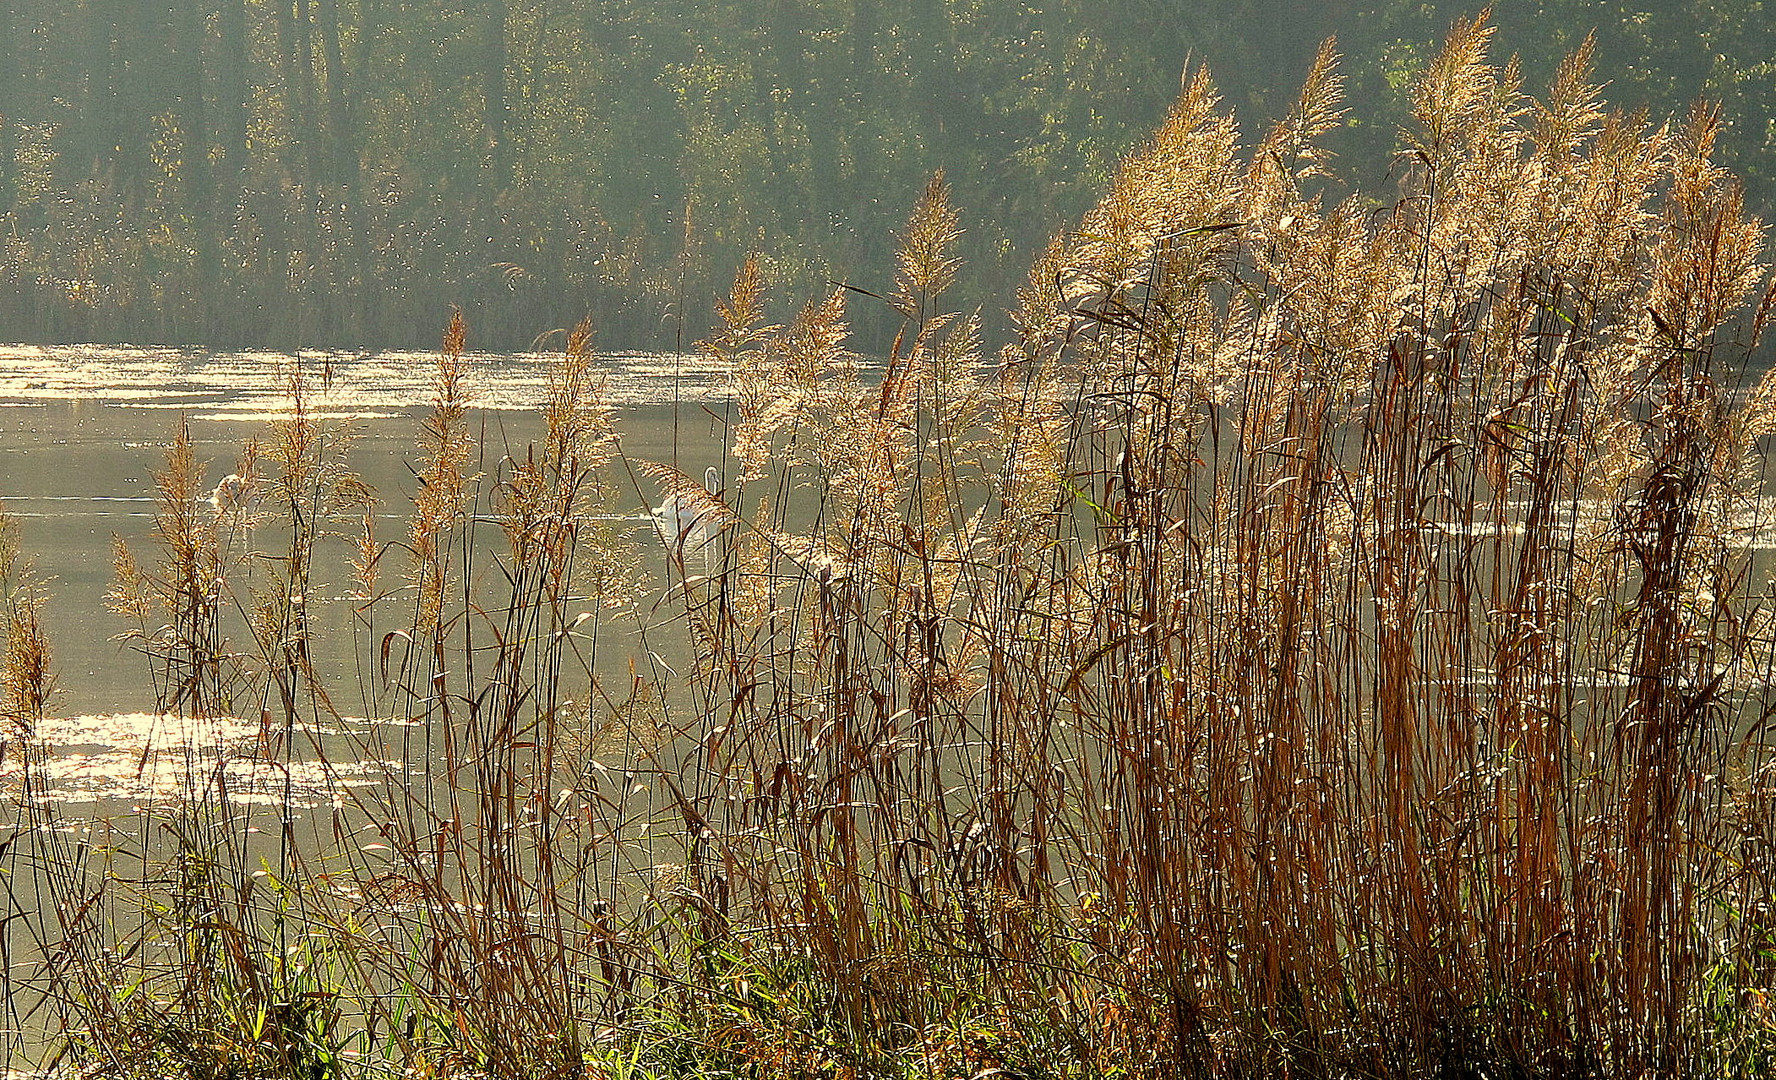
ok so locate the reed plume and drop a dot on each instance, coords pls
(1331, 639)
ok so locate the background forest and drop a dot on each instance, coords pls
(293, 172)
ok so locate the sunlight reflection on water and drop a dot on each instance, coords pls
(252, 385)
(153, 758)
(82, 427)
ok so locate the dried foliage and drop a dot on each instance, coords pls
(1334, 639)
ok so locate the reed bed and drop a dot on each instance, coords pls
(1334, 639)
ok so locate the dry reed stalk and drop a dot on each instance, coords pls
(1352, 625)
(479, 936)
(1328, 644)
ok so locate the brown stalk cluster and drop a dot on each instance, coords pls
(1348, 657)
(1330, 640)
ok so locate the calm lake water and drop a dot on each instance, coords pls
(82, 428)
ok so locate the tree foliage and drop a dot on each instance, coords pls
(283, 172)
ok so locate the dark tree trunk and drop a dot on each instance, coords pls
(232, 58)
(863, 247)
(306, 108)
(185, 50)
(85, 141)
(778, 70)
(494, 85)
(292, 50)
(9, 106)
(343, 166)
(136, 91)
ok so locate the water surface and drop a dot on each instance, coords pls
(82, 429)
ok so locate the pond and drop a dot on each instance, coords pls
(394, 820)
(83, 428)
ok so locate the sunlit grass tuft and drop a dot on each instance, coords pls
(1332, 639)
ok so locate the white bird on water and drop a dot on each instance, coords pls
(232, 496)
(687, 520)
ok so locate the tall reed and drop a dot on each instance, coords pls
(1347, 657)
(1333, 639)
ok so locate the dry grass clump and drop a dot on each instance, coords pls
(1334, 663)
(1333, 639)
(27, 682)
(170, 940)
